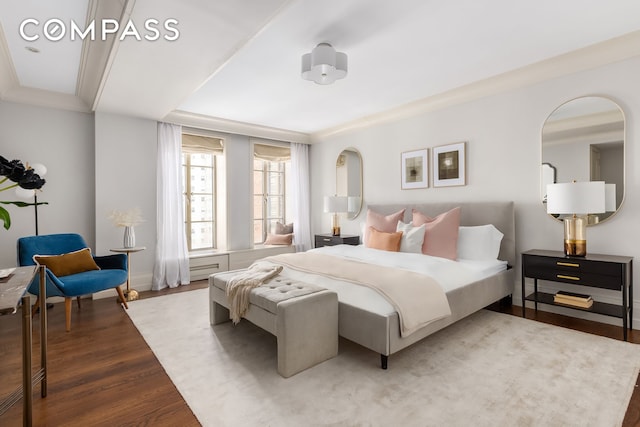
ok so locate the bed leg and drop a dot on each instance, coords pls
(383, 361)
(507, 301)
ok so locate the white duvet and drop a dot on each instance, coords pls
(450, 274)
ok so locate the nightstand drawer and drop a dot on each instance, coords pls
(329, 240)
(572, 265)
(580, 272)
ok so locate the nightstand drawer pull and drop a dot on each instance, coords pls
(326, 240)
(567, 264)
(562, 276)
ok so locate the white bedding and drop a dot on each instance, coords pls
(450, 274)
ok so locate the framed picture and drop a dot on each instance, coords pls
(415, 169)
(450, 165)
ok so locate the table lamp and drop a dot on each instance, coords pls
(576, 199)
(335, 205)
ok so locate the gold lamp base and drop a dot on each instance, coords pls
(335, 225)
(575, 247)
(575, 236)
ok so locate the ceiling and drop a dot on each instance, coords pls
(238, 62)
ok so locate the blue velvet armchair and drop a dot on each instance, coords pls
(112, 272)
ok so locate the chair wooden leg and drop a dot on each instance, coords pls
(122, 298)
(78, 299)
(34, 308)
(67, 312)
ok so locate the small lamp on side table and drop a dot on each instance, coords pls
(576, 199)
(335, 205)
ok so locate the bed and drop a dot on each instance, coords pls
(366, 318)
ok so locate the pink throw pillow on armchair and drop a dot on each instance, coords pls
(441, 233)
(386, 224)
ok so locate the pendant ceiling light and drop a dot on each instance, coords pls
(324, 65)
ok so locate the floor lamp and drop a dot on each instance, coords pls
(23, 193)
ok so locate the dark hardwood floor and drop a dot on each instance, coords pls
(102, 373)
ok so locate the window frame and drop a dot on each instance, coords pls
(188, 194)
(266, 219)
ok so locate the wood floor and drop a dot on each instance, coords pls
(102, 373)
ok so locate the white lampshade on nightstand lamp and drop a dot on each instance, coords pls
(576, 199)
(335, 205)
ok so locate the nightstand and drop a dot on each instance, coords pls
(331, 240)
(596, 271)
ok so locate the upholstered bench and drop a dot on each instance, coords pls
(303, 317)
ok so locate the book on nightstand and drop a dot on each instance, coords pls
(573, 299)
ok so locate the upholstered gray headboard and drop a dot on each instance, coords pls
(500, 214)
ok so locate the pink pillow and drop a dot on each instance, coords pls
(380, 222)
(279, 239)
(384, 241)
(441, 233)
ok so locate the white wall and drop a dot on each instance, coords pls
(62, 141)
(503, 160)
(238, 157)
(125, 178)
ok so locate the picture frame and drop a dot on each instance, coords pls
(450, 165)
(415, 169)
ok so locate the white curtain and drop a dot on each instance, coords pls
(301, 199)
(172, 257)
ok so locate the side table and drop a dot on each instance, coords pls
(129, 294)
(596, 271)
(13, 291)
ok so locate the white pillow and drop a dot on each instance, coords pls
(481, 242)
(412, 237)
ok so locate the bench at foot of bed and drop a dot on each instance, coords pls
(303, 317)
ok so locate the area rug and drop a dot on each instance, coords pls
(490, 369)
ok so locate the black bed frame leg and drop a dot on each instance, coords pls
(506, 302)
(383, 361)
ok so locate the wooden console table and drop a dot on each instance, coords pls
(596, 271)
(13, 290)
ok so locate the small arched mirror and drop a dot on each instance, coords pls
(349, 180)
(584, 140)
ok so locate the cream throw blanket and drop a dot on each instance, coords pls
(240, 286)
(418, 299)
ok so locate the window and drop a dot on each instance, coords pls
(199, 179)
(270, 203)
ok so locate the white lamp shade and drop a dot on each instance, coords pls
(576, 198)
(23, 193)
(39, 168)
(335, 204)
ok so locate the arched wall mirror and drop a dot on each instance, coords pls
(584, 140)
(349, 180)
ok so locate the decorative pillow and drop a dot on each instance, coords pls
(284, 228)
(67, 264)
(412, 237)
(279, 239)
(380, 222)
(441, 233)
(384, 241)
(481, 242)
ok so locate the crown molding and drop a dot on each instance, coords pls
(97, 56)
(8, 76)
(597, 55)
(200, 121)
(45, 98)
